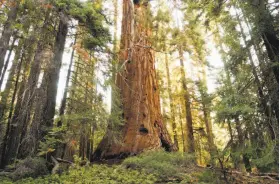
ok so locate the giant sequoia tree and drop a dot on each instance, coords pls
(143, 127)
(180, 70)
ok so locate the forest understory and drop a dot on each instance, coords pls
(142, 91)
(147, 168)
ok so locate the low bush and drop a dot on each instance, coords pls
(30, 167)
(162, 164)
(208, 177)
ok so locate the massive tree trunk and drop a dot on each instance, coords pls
(143, 127)
(190, 138)
(7, 33)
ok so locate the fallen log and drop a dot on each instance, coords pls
(64, 161)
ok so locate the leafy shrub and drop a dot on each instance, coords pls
(95, 174)
(163, 164)
(30, 167)
(5, 180)
(267, 160)
(207, 176)
(52, 141)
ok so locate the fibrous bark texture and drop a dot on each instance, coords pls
(143, 127)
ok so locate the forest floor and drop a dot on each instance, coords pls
(146, 168)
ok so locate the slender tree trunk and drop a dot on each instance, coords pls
(271, 42)
(199, 150)
(7, 62)
(267, 32)
(7, 89)
(84, 131)
(61, 148)
(28, 98)
(7, 33)
(182, 128)
(92, 142)
(20, 51)
(82, 144)
(206, 113)
(208, 126)
(271, 86)
(172, 108)
(115, 28)
(64, 98)
(74, 87)
(17, 128)
(143, 128)
(5, 159)
(92, 126)
(245, 157)
(13, 140)
(262, 98)
(190, 138)
(9, 84)
(35, 127)
(114, 91)
(230, 130)
(70, 108)
(88, 153)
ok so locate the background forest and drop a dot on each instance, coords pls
(142, 91)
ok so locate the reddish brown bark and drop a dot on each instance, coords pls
(143, 127)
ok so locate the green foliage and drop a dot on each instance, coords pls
(94, 174)
(29, 167)
(89, 15)
(5, 180)
(207, 177)
(147, 168)
(54, 138)
(266, 162)
(163, 164)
